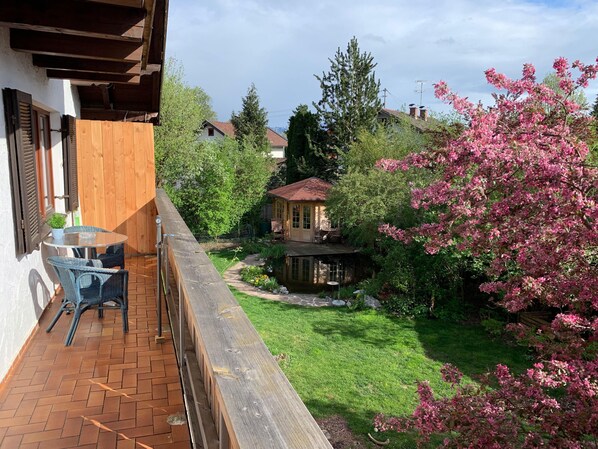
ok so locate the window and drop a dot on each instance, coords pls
(211, 132)
(305, 270)
(296, 216)
(30, 163)
(43, 158)
(306, 217)
(336, 272)
(294, 268)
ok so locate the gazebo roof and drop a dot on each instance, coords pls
(310, 189)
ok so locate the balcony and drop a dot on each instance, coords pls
(107, 390)
(115, 390)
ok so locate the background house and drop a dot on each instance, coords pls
(418, 117)
(217, 130)
(299, 211)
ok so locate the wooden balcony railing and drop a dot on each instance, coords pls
(240, 397)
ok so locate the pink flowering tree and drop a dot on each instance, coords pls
(519, 188)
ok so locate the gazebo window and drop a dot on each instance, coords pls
(305, 270)
(295, 268)
(306, 217)
(296, 216)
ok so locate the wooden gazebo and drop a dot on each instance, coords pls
(299, 211)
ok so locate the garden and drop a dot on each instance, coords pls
(355, 364)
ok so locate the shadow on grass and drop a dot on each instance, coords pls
(346, 324)
(360, 424)
(468, 347)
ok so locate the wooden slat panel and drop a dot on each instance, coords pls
(120, 179)
(139, 146)
(108, 175)
(97, 154)
(130, 189)
(117, 179)
(85, 170)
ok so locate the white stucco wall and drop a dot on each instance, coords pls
(204, 134)
(277, 152)
(26, 283)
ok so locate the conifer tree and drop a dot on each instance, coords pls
(350, 96)
(250, 124)
(306, 154)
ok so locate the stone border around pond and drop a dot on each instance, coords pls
(232, 277)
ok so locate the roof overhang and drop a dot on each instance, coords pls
(111, 50)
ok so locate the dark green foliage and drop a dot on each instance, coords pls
(207, 195)
(251, 123)
(365, 196)
(409, 281)
(183, 110)
(414, 283)
(276, 251)
(350, 96)
(306, 152)
(595, 109)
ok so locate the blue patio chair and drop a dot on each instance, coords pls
(114, 255)
(86, 284)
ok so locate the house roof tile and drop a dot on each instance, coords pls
(310, 189)
(227, 128)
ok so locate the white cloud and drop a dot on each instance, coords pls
(226, 45)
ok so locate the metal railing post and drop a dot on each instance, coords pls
(181, 327)
(159, 338)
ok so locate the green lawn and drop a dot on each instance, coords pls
(356, 364)
(224, 259)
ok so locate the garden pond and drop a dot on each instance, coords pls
(311, 274)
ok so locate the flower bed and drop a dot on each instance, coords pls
(257, 277)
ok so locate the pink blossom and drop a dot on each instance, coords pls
(516, 186)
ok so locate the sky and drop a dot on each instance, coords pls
(225, 45)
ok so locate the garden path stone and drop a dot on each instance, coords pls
(232, 277)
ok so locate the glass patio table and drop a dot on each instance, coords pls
(86, 240)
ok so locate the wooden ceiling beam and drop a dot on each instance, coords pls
(74, 46)
(86, 65)
(97, 78)
(75, 18)
(150, 8)
(131, 3)
(118, 115)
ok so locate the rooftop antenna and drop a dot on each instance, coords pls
(385, 92)
(420, 90)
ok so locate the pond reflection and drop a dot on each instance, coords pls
(310, 274)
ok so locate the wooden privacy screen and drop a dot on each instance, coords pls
(117, 180)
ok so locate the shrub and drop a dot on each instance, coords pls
(403, 305)
(494, 327)
(253, 246)
(276, 251)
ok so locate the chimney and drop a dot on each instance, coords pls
(413, 110)
(423, 113)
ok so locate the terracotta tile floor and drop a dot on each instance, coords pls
(107, 390)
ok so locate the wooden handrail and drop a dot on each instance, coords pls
(252, 403)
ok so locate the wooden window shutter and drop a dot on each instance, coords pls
(69, 155)
(23, 171)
